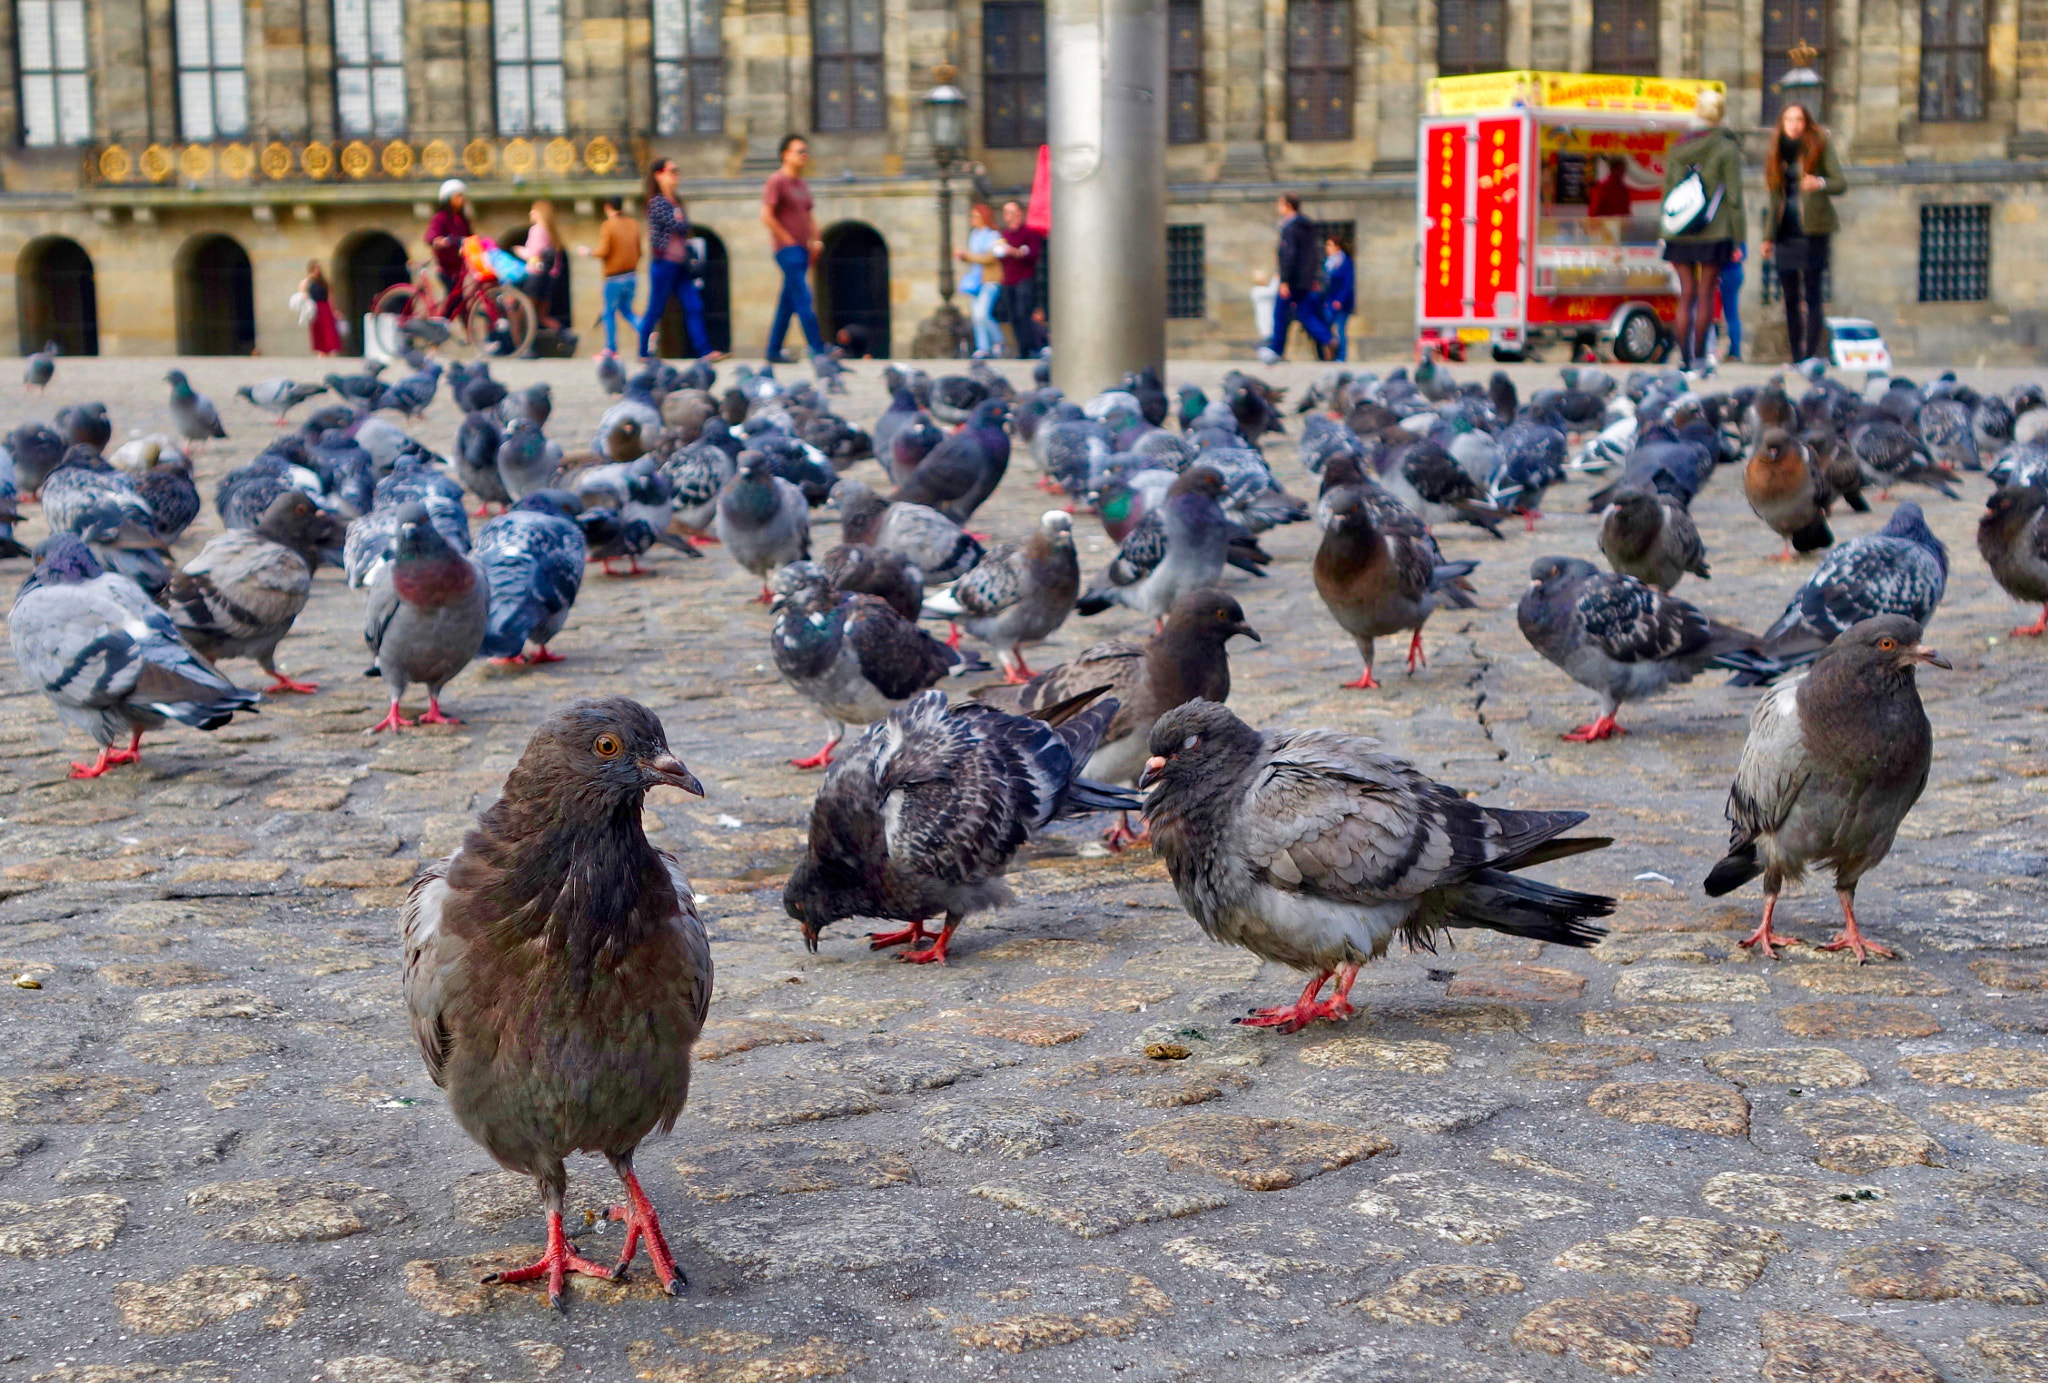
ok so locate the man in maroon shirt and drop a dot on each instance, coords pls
(786, 212)
(446, 232)
(1020, 250)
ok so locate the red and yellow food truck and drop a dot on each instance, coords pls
(1538, 202)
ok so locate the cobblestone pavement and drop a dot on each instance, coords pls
(220, 1158)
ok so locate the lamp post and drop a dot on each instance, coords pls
(945, 116)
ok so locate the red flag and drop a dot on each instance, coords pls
(1038, 216)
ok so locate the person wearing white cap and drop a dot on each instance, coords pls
(447, 231)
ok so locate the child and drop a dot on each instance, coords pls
(1339, 292)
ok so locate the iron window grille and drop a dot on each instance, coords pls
(846, 65)
(1187, 282)
(1625, 37)
(1013, 74)
(1786, 24)
(1952, 45)
(1319, 69)
(530, 77)
(369, 67)
(1184, 72)
(1955, 253)
(1471, 36)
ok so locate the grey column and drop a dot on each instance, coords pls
(1106, 118)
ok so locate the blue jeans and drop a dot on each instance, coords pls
(1731, 306)
(1308, 311)
(1340, 327)
(981, 305)
(795, 263)
(665, 279)
(618, 302)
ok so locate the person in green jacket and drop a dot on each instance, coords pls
(1799, 230)
(1698, 254)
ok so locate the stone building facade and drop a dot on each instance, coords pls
(170, 166)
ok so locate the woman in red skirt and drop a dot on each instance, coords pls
(325, 330)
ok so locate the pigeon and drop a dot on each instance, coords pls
(1652, 538)
(609, 535)
(427, 615)
(1835, 759)
(851, 656)
(901, 413)
(415, 393)
(239, 596)
(41, 367)
(1314, 848)
(279, 396)
(934, 543)
(1945, 426)
(1788, 490)
(965, 469)
(924, 814)
(110, 661)
(955, 397)
(363, 389)
(611, 375)
(1532, 457)
(191, 412)
(527, 461)
(763, 520)
(876, 571)
(831, 375)
(477, 444)
(1378, 581)
(622, 441)
(1184, 661)
(1892, 454)
(2013, 538)
(532, 557)
(1018, 593)
(1621, 638)
(695, 476)
(116, 522)
(1902, 569)
(37, 450)
(85, 425)
(638, 490)
(10, 510)
(556, 973)
(1175, 548)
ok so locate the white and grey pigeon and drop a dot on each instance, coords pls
(111, 662)
(638, 490)
(695, 476)
(1176, 548)
(1019, 593)
(762, 520)
(192, 412)
(280, 396)
(115, 520)
(532, 556)
(1315, 849)
(937, 546)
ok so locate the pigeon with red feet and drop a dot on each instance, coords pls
(532, 557)
(556, 973)
(762, 519)
(2013, 538)
(1018, 593)
(239, 596)
(428, 612)
(1384, 578)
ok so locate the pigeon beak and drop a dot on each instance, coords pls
(1154, 766)
(1245, 629)
(668, 769)
(1921, 653)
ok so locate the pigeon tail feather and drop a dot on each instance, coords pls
(1736, 868)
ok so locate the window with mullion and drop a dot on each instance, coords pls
(846, 66)
(369, 67)
(1625, 37)
(1471, 36)
(1184, 71)
(1952, 59)
(1013, 73)
(213, 89)
(1788, 23)
(1319, 69)
(528, 42)
(689, 67)
(55, 97)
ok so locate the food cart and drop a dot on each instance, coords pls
(1538, 203)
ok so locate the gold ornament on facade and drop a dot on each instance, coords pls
(478, 157)
(237, 161)
(196, 162)
(559, 156)
(519, 157)
(115, 165)
(1802, 53)
(600, 155)
(356, 158)
(437, 160)
(397, 158)
(317, 159)
(276, 160)
(156, 163)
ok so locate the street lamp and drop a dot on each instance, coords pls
(1802, 84)
(945, 116)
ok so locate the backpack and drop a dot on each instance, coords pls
(1687, 207)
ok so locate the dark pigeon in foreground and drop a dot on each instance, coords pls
(2013, 539)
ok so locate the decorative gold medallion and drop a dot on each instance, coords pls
(600, 156)
(276, 161)
(156, 163)
(237, 161)
(356, 159)
(317, 159)
(397, 158)
(195, 161)
(519, 157)
(478, 157)
(115, 165)
(559, 156)
(437, 160)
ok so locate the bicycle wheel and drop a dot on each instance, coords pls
(389, 311)
(501, 320)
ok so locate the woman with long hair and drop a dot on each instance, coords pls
(324, 329)
(981, 286)
(542, 251)
(673, 269)
(1800, 229)
(1697, 253)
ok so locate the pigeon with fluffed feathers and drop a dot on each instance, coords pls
(2012, 537)
(879, 572)
(939, 547)
(532, 558)
(1018, 593)
(1652, 537)
(762, 519)
(1380, 579)
(239, 596)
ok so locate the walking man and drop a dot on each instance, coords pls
(786, 212)
(618, 249)
(1020, 250)
(1300, 258)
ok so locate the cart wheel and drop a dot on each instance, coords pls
(1508, 355)
(1636, 336)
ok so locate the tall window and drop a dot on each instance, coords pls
(369, 67)
(689, 67)
(56, 103)
(1955, 253)
(1786, 23)
(1625, 37)
(1319, 69)
(1471, 36)
(1013, 73)
(213, 90)
(846, 65)
(1184, 71)
(1952, 59)
(529, 51)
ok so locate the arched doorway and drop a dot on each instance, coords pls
(853, 284)
(55, 297)
(364, 265)
(557, 305)
(717, 291)
(216, 298)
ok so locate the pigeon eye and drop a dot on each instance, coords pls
(1887, 644)
(607, 746)
(1191, 741)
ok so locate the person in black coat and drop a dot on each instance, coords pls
(1301, 258)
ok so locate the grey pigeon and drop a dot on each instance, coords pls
(85, 425)
(1835, 759)
(2013, 539)
(1314, 849)
(1621, 638)
(762, 520)
(963, 470)
(695, 475)
(638, 490)
(1944, 425)
(877, 571)
(1652, 538)
(427, 614)
(556, 974)
(37, 450)
(1378, 580)
(1532, 457)
(414, 394)
(238, 597)
(1176, 548)
(280, 396)
(924, 815)
(851, 656)
(105, 509)
(10, 510)
(192, 412)
(372, 540)
(1891, 455)
(939, 547)
(532, 558)
(1018, 593)
(611, 375)
(363, 389)
(477, 444)
(111, 663)
(526, 461)
(1902, 569)
(41, 367)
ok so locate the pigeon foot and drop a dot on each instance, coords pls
(767, 597)
(1601, 729)
(2034, 630)
(286, 684)
(392, 721)
(913, 934)
(1851, 937)
(934, 954)
(1763, 938)
(534, 656)
(952, 634)
(1121, 834)
(434, 715)
(110, 757)
(1289, 1017)
(1416, 657)
(1788, 555)
(640, 1220)
(556, 1264)
(1529, 517)
(701, 540)
(820, 759)
(1365, 682)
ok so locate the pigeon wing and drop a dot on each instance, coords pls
(896, 656)
(1634, 623)
(432, 954)
(1774, 767)
(1143, 549)
(995, 584)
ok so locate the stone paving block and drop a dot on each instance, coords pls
(2011, 975)
(204, 1003)
(1898, 981)
(2016, 1353)
(492, 1200)
(774, 1101)
(730, 1037)
(15, 1145)
(296, 1209)
(1375, 1054)
(1670, 985)
(1692, 1105)
(1809, 1068)
(360, 874)
(1798, 1200)
(1859, 1134)
(1425, 1109)
(1437, 1293)
(1658, 1022)
(452, 1287)
(1613, 1331)
(2025, 1122)
(1159, 1084)
(1006, 1127)
(1569, 1061)
(1394, 1364)
(61, 1226)
(1118, 1306)
(1232, 1253)
(158, 974)
(1984, 1068)
(1258, 1154)
(1929, 1270)
(1092, 993)
(202, 1296)
(73, 1099)
(1807, 1347)
(781, 1165)
(233, 872)
(1091, 1202)
(1471, 1019)
(71, 870)
(1848, 1018)
(856, 1234)
(1516, 982)
(1026, 1029)
(148, 1154)
(1460, 1209)
(737, 1356)
(893, 1066)
(1679, 1248)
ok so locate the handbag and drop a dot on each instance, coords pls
(1687, 207)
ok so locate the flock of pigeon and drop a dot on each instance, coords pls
(558, 927)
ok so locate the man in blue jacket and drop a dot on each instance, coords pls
(1300, 259)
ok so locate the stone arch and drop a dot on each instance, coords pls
(853, 283)
(55, 297)
(216, 297)
(364, 265)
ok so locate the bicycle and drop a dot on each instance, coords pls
(482, 318)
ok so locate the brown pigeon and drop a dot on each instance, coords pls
(1380, 580)
(557, 975)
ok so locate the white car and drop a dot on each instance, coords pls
(1857, 345)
